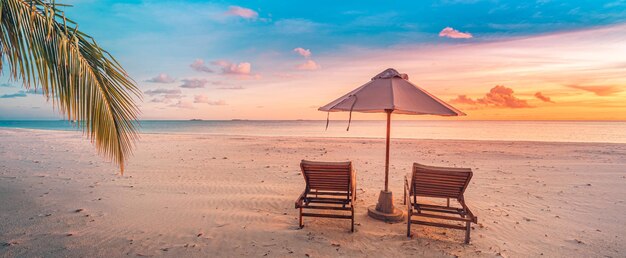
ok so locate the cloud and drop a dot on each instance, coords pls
(217, 83)
(161, 78)
(166, 98)
(242, 12)
(455, 34)
(193, 83)
(244, 68)
(162, 91)
(286, 75)
(303, 52)
(164, 95)
(309, 65)
(198, 65)
(463, 100)
(19, 94)
(205, 99)
(543, 98)
(231, 88)
(183, 104)
(598, 90)
(498, 96)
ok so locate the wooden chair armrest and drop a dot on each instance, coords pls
(353, 180)
(406, 188)
(300, 199)
(468, 211)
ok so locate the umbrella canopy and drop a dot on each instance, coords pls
(391, 90)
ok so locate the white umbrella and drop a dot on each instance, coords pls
(390, 92)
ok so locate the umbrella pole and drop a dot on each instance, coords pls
(384, 209)
(387, 151)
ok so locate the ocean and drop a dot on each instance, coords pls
(546, 131)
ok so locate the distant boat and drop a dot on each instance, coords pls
(239, 120)
(195, 119)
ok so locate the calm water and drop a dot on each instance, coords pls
(559, 131)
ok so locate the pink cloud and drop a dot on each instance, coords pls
(193, 83)
(166, 98)
(455, 34)
(242, 12)
(231, 88)
(498, 96)
(286, 75)
(199, 66)
(205, 99)
(303, 52)
(162, 91)
(599, 90)
(244, 68)
(543, 98)
(161, 78)
(183, 104)
(309, 65)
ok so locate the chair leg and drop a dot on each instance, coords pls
(408, 224)
(352, 228)
(404, 197)
(467, 232)
(301, 224)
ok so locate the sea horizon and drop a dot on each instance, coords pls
(486, 130)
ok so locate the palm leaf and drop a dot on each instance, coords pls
(42, 48)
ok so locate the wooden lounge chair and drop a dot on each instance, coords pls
(438, 182)
(329, 186)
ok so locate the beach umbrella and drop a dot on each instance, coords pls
(390, 92)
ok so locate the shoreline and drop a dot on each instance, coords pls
(321, 138)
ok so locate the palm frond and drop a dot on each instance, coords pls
(43, 48)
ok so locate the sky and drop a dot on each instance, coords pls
(494, 60)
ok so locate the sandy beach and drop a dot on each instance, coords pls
(204, 195)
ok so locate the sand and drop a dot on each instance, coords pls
(205, 195)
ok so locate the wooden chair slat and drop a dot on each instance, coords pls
(435, 224)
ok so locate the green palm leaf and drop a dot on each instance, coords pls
(42, 48)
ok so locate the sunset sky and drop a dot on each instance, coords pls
(526, 60)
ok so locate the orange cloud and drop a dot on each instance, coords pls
(543, 98)
(498, 96)
(463, 100)
(449, 32)
(598, 90)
